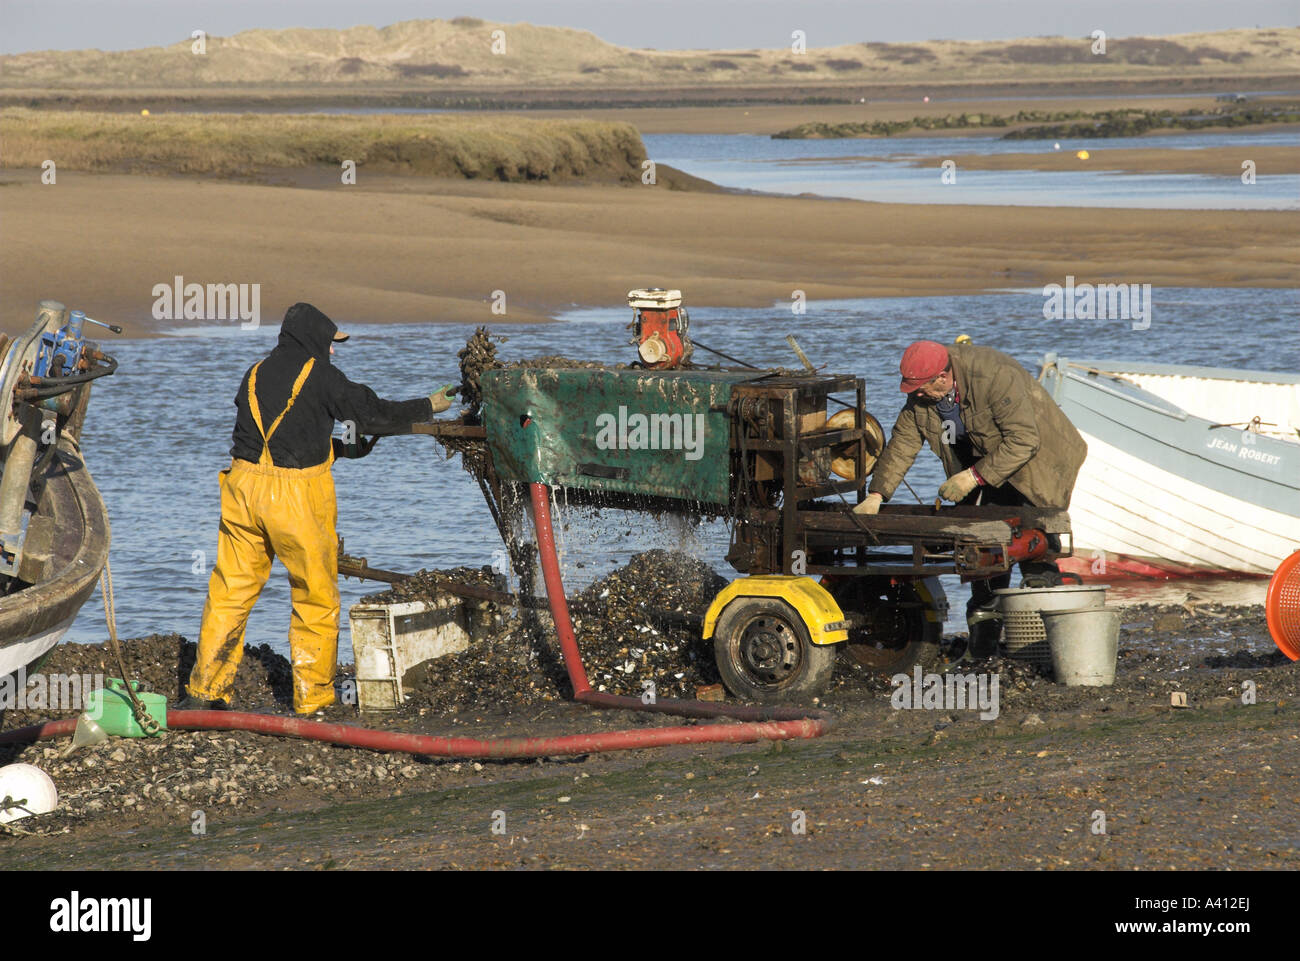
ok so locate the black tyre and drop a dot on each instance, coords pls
(765, 654)
(893, 630)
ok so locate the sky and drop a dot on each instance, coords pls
(664, 24)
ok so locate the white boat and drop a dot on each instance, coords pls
(1191, 471)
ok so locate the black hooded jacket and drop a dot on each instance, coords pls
(303, 437)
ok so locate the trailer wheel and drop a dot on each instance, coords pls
(765, 653)
(892, 632)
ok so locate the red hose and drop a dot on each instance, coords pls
(759, 723)
(504, 747)
(39, 732)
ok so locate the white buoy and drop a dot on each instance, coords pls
(25, 789)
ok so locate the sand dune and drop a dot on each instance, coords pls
(428, 54)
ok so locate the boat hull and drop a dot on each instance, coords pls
(29, 652)
(33, 620)
(1166, 494)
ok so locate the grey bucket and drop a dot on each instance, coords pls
(1084, 645)
(1020, 610)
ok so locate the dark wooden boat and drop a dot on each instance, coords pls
(35, 616)
(54, 530)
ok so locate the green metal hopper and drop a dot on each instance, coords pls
(640, 432)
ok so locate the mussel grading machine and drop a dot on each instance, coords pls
(782, 456)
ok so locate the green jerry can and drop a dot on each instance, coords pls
(111, 707)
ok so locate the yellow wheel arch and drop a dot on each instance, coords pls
(821, 614)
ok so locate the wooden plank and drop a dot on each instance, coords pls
(939, 527)
(1052, 520)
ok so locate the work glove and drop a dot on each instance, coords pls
(441, 398)
(354, 450)
(958, 486)
(871, 505)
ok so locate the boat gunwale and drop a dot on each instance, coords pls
(1120, 368)
(1126, 390)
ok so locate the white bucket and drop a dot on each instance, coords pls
(1084, 645)
(391, 640)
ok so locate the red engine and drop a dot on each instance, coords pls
(660, 324)
(1027, 544)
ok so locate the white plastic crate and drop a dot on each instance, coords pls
(388, 640)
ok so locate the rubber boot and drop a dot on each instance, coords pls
(191, 703)
(985, 635)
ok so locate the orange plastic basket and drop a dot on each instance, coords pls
(1282, 606)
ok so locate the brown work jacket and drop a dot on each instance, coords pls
(1018, 433)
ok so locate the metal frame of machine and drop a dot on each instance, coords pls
(885, 607)
(776, 631)
(778, 431)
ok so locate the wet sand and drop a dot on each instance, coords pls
(407, 249)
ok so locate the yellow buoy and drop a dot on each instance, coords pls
(1083, 155)
(962, 339)
(144, 113)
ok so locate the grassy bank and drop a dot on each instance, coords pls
(487, 148)
(1040, 124)
(876, 99)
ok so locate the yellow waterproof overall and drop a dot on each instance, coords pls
(269, 512)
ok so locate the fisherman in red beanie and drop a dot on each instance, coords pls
(1002, 440)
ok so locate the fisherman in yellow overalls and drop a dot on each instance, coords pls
(277, 500)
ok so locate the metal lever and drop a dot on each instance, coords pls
(113, 327)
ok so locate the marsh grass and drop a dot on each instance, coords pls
(1125, 122)
(505, 148)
